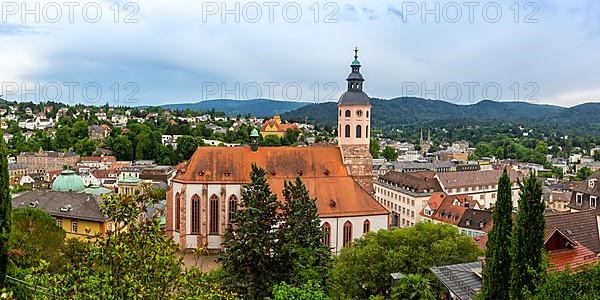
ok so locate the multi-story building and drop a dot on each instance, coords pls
(405, 195)
(43, 161)
(479, 185)
(586, 195)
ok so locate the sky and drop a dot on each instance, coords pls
(154, 52)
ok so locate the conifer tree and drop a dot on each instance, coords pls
(5, 212)
(527, 240)
(496, 276)
(249, 262)
(303, 254)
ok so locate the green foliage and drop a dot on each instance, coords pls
(374, 148)
(597, 155)
(527, 246)
(34, 236)
(496, 275)
(133, 262)
(412, 287)
(583, 173)
(85, 147)
(291, 137)
(186, 146)
(363, 268)
(5, 212)
(308, 291)
(584, 284)
(390, 153)
(271, 140)
(249, 264)
(303, 255)
(122, 148)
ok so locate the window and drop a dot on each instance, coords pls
(340, 112)
(232, 206)
(177, 211)
(347, 113)
(367, 113)
(327, 231)
(593, 201)
(347, 131)
(578, 199)
(359, 113)
(358, 131)
(59, 223)
(367, 131)
(366, 226)
(347, 237)
(196, 213)
(73, 226)
(214, 214)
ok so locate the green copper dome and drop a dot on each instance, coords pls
(355, 62)
(68, 181)
(130, 179)
(254, 133)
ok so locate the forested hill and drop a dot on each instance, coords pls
(403, 111)
(255, 107)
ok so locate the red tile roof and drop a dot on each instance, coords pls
(321, 168)
(450, 213)
(572, 258)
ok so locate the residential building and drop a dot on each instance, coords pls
(98, 132)
(479, 185)
(79, 214)
(274, 126)
(586, 195)
(405, 195)
(44, 161)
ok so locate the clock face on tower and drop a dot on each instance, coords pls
(359, 113)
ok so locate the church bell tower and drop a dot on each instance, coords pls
(354, 119)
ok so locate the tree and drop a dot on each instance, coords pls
(79, 130)
(249, 264)
(122, 147)
(583, 173)
(597, 155)
(308, 291)
(496, 284)
(271, 140)
(303, 254)
(85, 147)
(374, 148)
(363, 269)
(527, 245)
(291, 136)
(186, 146)
(390, 153)
(135, 261)
(5, 212)
(28, 223)
(412, 287)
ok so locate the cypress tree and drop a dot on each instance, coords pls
(496, 275)
(5, 212)
(249, 263)
(303, 254)
(527, 240)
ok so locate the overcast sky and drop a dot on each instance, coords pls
(153, 52)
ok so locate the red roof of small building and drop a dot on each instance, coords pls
(571, 258)
(448, 212)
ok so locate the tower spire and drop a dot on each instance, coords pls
(356, 53)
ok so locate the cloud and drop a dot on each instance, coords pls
(176, 48)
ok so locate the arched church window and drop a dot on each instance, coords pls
(347, 235)
(347, 131)
(347, 113)
(214, 214)
(233, 202)
(340, 112)
(366, 226)
(327, 237)
(367, 114)
(177, 211)
(196, 213)
(358, 131)
(367, 131)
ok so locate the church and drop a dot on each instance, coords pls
(206, 191)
